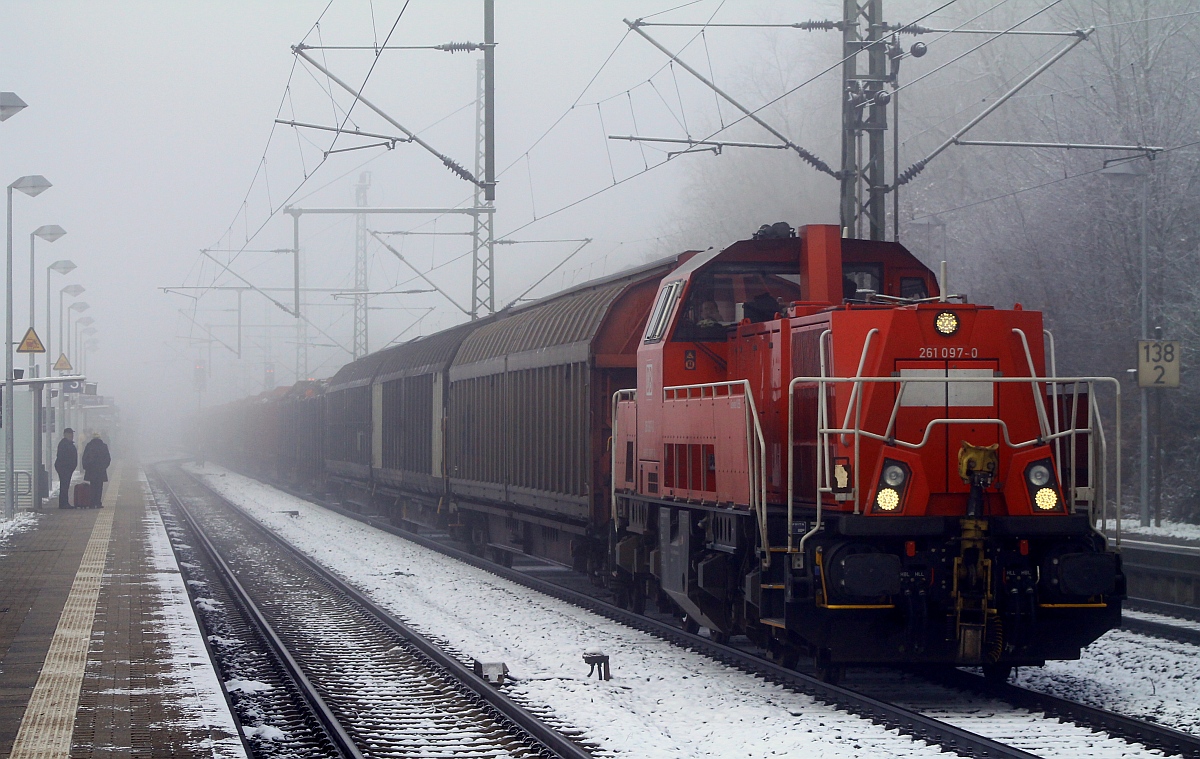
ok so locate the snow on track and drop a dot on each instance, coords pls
(1136, 675)
(1030, 731)
(663, 701)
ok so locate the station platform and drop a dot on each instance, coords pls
(100, 652)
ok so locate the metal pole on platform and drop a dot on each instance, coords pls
(62, 267)
(32, 186)
(49, 233)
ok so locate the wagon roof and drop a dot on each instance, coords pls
(430, 353)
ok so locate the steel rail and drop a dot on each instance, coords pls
(913, 723)
(1164, 630)
(1190, 613)
(919, 726)
(316, 704)
(1128, 728)
(284, 703)
(553, 741)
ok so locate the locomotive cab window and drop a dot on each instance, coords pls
(721, 296)
(864, 277)
(657, 323)
(913, 288)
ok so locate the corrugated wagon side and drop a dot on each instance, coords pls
(528, 421)
(347, 436)
(408, 403)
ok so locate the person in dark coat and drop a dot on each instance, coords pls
(95, 467)
(64, 464)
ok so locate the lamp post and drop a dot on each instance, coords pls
(32, 185)
(74, 291)
(79, 307)
(60, 267)
(84, 347)
(82, 321)
(49, 233)
(1125, 171)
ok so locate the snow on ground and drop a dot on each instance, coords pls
(193, 685)
(1137, 675)
(1178, 530)
(663, 701)
(21, 521)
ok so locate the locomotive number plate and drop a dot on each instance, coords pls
(944, 351)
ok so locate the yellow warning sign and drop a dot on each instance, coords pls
(62, 364)
(30, 343)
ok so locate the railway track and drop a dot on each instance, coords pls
(376, 687)
(1019, 722)
(270, 707)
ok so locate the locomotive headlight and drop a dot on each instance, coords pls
(1046, 499)
(893, 475)
(1043, 490)
(887, 499)
(1038, 475)
(946, 323)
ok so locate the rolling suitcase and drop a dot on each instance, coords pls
(83, 495)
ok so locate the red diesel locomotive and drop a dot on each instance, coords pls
(826, 454)
(798, 439)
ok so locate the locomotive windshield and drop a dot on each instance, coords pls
(721, 296)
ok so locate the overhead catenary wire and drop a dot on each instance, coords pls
(1040, 186)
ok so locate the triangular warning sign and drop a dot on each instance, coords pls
(30, 343)
(62, 364)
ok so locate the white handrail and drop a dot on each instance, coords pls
(612, 475)
(1043, 420)
(1095, 429)
(756, 446)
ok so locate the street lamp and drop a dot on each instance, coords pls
(78, 307)
(84, 347)
(81, 321)
(1125, 171)
(62, 267)
(10, 105)
(49, 233)
(74, 291)
(32, 185)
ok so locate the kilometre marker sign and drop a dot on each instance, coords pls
(1158, 363)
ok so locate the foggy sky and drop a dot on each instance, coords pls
(151, 120)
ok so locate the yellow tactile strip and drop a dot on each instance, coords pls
(49, 720)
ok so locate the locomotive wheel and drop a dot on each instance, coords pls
(622, 596)
(997, 674)
(503, 558)
(830, 673)
(690, 625)
(637, 599)
(782, 654)
(826, 671)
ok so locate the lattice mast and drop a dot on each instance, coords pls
(483, 241)
(865, 79)
(360, 266)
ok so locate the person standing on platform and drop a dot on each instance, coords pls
(95, 467)
(64, 464)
